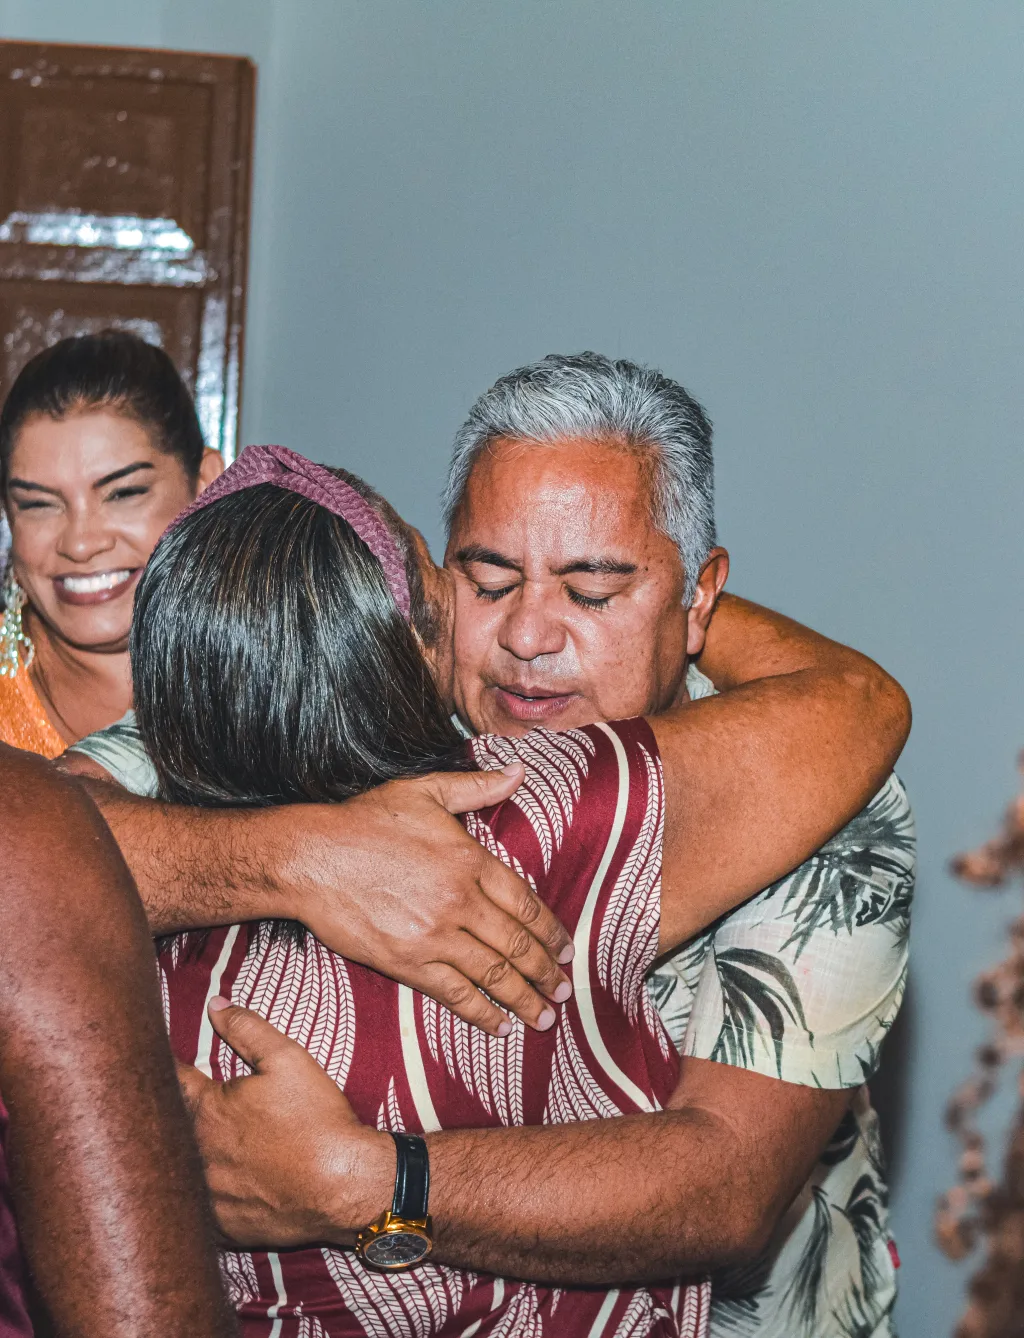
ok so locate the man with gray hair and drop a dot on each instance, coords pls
(583, 551)
(783, 1006)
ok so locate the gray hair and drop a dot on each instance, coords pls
(588, 396)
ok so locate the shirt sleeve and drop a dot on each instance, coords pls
(586, 827)
(804, 981)
(119, 750)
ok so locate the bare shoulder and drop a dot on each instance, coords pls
(54, 836)
(30, 784)
(75, 763)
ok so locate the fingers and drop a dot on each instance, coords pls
(460, 996)
(518, 900)
(193, 1085)
(504, 982)
(462, 791)
(249, 1035)
(503, 937)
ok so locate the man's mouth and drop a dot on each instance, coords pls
(532, 704)
(96, 587)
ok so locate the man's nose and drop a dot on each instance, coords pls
(531, 626)
(84, 536)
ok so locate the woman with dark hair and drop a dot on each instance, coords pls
(291, 644)
(100, 448)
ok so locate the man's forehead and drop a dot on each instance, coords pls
(579, 501)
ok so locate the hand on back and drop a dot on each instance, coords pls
(428, 906)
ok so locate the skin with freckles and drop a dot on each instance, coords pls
(568, 601)
(87, 499)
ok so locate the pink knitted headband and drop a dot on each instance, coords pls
(287, 469)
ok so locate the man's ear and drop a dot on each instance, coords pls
(710, 584)
(210, 466)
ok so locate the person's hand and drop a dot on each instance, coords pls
(424, 903)
(286, 1160)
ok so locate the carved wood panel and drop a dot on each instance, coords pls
(124, 201)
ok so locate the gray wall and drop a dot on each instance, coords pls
(809, 213)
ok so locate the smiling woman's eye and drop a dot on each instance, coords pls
(136, 490)
(588, 601)
(36, 504)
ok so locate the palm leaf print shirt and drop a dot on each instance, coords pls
(803, 983)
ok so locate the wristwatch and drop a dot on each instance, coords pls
(402, 1237)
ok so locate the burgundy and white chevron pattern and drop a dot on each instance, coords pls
(585, 829)
(628, 936)
(305, 992)
(556, 767)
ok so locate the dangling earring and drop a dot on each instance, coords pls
(12, 634)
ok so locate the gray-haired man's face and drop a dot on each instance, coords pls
(568, 601)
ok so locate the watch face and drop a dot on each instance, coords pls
(396, 1249)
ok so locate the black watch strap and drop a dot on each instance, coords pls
(412, 1177)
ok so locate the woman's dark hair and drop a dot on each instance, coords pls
(112, 369)
(271, 664)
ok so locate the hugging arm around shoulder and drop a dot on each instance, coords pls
(389, 878)
(779, 1010)
(783, 762)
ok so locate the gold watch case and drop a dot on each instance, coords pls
(393, 1243)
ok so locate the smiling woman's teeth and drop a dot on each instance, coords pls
(90, 585)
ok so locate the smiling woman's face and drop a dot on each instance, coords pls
(87, 498)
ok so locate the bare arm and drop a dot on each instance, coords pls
(759, 777)
(106, 1179)
(698, 1186)
(389, 879)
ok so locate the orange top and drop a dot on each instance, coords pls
(23, 722)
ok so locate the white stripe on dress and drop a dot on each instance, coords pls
(207, 1035)
(603, 1315)
(413, 1059)
(274, 1311)
(584, 932)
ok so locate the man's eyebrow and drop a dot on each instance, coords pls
(596, 567)
(477, 553)
(121, 473)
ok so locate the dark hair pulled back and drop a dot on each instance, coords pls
(113, 369)
(271, 664)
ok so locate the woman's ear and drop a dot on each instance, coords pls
(210, 466)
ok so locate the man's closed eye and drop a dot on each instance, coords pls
(587, 601)
(482, 592)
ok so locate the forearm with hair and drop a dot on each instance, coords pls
(636, 1199)
(697, 1187)
(195, 868)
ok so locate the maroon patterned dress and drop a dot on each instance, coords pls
(586, 829)
(14, 1321)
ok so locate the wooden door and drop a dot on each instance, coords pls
(124, 201)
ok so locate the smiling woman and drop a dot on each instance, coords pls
(100, 448)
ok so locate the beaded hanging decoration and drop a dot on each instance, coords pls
(981, 1208)
(16, 649)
